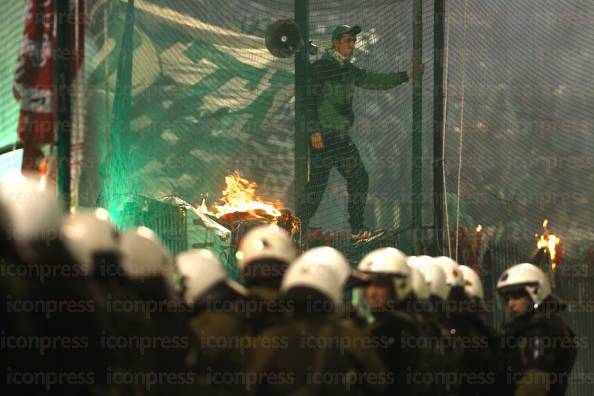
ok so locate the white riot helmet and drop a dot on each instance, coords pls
(527, 277)
(325, 255)
(434, 276)
(452, 271)
(473, 287)
(391, 262)
(314, 275)
(200, 270)
(88, 234)
(144, 256)
(418, 282)
(265, 242)
(33, 208)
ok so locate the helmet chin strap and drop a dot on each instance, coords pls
(399, 283)
(532, 291)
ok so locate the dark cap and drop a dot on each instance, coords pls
(342, 29)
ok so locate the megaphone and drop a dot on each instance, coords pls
(283, 38)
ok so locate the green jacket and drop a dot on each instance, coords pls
(331, 90)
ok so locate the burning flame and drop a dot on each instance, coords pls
(240, 196)
(43, 172)
(550, 242)
(479, 228)
(42, 184)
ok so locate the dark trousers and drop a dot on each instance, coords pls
(340, 152)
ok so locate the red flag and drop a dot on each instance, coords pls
(35, 82)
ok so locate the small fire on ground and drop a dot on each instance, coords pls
(241, 202)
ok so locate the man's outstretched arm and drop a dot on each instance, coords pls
(381, 81)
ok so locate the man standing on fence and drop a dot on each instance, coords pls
(330, 118)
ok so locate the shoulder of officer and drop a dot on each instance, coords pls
(405, 319)
(218, 323)
(263, 293)
(350, 327)
(546, 324)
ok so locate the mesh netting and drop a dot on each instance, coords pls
(520, 90)
(208, 99)
(188, 93)
(383, 119)
(518, 121)
(10, 32)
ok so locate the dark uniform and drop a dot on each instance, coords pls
(263, 308)
(316, 355)
(401, 353)
(79, 318)
(221, 346)
(220, 352)
(157, 339)
(15, 288)
(471, 351)
(432, 358)
(539, 351)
